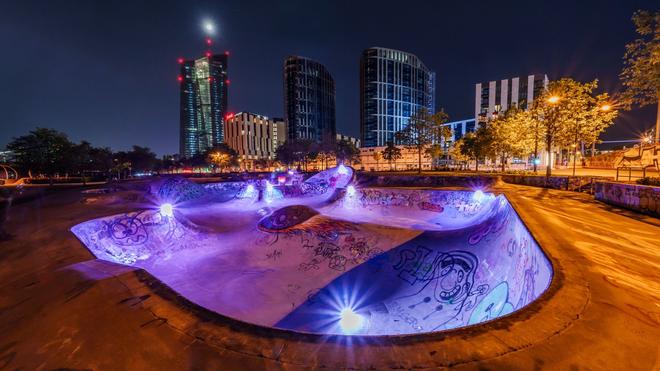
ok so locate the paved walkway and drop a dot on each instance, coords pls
(59, 308)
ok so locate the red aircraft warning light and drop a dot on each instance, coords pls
(229, 116)
(180, 60)
(208, 54)
(226, 52)
(179, 78)
(227, 82)
(209, 41)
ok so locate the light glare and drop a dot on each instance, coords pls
(350, 321)
(167, 210)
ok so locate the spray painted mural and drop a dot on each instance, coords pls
(329, 258)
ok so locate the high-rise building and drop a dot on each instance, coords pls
(254, 137)
(393, 86)
(309, 99)
(497, 96)
(203, 103)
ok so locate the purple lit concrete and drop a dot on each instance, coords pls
(392, 261)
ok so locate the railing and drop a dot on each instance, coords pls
(630, 170)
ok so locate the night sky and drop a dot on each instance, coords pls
(105, 71)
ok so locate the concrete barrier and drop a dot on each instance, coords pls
(641, 198)
(567, 183)
(469, 181)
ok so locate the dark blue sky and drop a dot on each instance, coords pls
(105, 71)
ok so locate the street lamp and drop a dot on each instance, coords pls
(553, 99)
(605, 107)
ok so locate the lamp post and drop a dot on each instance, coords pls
(553, 101)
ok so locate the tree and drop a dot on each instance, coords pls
(326, 149)
(512, 135)
(568, 112)
(221, 156)
(142, 159)
(477, 145)
(377, 156)
(422, 130)
(456, 152)
(346, 151)
(42, 151)
(435, 151)
(295, 151)
(641, 71)
(391, 154)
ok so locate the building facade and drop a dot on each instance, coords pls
(254, 137)
(371, 159)
(462, 127)
(350, 139)
(494, 97)
(393, 86)
(309, 99)
(203, 103)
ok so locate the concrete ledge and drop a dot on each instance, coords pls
(472, 181)
(568, 183)
(641, 198)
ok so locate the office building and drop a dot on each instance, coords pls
(494, 97)
(393, 86)
(203, 103)
(309, 99)
(253, 136)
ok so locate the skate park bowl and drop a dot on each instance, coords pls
(326, 256)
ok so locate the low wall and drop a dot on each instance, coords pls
(568, 183)
(644, 199)
(470, 181)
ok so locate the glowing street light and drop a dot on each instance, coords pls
(350, 322)
(167, 210)
(605, 107)
(553, 99)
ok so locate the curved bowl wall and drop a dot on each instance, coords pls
(363, 262)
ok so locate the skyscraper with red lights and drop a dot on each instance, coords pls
(203, 103)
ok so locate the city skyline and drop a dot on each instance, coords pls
(131, 53)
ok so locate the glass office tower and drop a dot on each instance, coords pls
(309, 99)
(393, 86)
(203, 103)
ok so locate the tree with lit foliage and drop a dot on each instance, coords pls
(641, 72)
(422, 130)
(568, 112)
(477, 145)
(436, 152)
(221, 156)
(455, 152)
(391, 154)
(512, 135)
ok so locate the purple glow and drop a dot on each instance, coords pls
(377, 261)
(167, 210)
